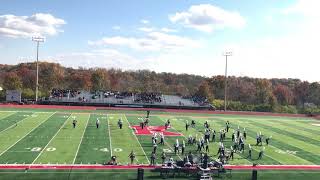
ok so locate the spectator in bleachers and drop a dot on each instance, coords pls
(148, 98)
(59, 93)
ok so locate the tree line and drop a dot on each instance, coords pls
(244, 93)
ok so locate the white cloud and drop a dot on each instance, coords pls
(116, 27)
(292, 56)
(146, 29)
(168, 30)
(287, 57)
(27, 26)
(105, 58)
(207, 18)
(144, 21)
(164, 29)
(110, 58)
(269, 19)
(153, 41)
(308, 8)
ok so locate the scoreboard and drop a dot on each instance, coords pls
(13, 96)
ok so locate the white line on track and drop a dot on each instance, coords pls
(27, 134)
(137, 139)
(73, 172)
(81, 140)
(50, 140)
(195, 115)
(109, 135)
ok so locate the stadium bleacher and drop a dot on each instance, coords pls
(114, 98)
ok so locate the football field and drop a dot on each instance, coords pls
(48, 137)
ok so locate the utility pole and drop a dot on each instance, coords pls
(226, 54)
(37, 40)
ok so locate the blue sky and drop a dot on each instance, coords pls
(268, 38)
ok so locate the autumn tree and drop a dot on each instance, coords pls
(180, 89)
(99, 79)
(80, 81)
(245, 91)
(204, 90)
(301, 92)
(217, 85)
(114, 76)
(264, 92)
(12, 81)
(28, 77)
(314, 93)
(241, 89)
(283, 94)
(50, 76)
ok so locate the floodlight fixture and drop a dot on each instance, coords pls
(226, 54)
(37, 39)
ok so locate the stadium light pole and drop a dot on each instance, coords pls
(226, 54)
(37, 40)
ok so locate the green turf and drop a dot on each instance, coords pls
(12, 119)
(285, 130)
(304, 126)
(300, 157)
(52, 139)
(11, 136)
(66, 142)
(95, 146)
(46, 136)
(26, 150)
(302, 147)
(146, 141)
(123, 141)
(5, 114)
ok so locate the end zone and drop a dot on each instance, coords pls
(149, 130)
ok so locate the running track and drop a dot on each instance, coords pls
(152, 109)
(97, 167)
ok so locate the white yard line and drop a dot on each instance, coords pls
(50, 140)
(174, 128)
(11, 113)
(137, 139)
(9, 127)
(264, 154)
(81, 139)
(168, 143)
(13, 124)
(26, 134)
(109, 135)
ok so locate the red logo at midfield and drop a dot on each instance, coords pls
(149, 130)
